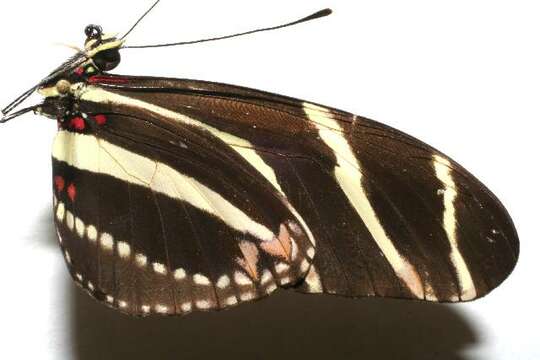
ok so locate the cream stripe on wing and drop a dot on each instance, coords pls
(443, 171)
(86, 152)
(349, 177)
(240, 145)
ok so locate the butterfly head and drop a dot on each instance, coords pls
(103, 50)
(101, 53)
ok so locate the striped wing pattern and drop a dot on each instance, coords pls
(189, 195)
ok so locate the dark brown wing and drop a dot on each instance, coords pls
(390, 215)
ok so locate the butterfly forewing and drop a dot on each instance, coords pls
(227, 192)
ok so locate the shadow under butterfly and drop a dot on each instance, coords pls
(286, 326)
(173, 196)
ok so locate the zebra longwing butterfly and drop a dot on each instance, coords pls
(174, 195)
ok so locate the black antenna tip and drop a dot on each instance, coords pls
(319, 14)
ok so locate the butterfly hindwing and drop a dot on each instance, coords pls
(162, 229)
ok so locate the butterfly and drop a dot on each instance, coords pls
(173, 196)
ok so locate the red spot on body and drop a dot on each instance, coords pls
(72, 191)
(79, 71)
(77, 123)
(107, 80)
(100, 119)
(59, 183)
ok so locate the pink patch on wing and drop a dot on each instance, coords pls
(280, 246)
(60, 183)
(79, 71)
(72, 191)
(250, 260)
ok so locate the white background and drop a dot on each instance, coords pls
(462, 75)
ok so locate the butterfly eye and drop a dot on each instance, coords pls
(107, 60)
(93, 31)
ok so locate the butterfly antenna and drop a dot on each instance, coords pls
(317, 15)
(140, 19)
